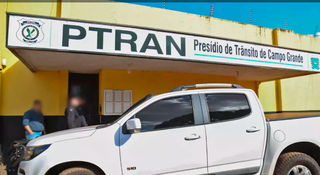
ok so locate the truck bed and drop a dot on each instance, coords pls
(291, 115)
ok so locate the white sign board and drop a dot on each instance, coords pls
(62, 35)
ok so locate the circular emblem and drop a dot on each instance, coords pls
(30, 32)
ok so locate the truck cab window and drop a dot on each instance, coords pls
(227, 106)
(167, 113)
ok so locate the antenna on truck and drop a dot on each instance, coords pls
(285, 24)
(211, 9)
(184, 87)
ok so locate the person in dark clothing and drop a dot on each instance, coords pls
(74, 114)
(33, 121)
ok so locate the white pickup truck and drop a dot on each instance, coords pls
(217, 131)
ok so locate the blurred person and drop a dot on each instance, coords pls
(33, 121)
(74, 114)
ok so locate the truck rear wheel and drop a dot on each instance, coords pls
(78, 171)
(295, 163)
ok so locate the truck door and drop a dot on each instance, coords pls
(235, 130)
(171, 141)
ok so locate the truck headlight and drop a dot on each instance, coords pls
(34, 151)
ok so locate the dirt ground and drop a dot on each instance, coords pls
(2, 171)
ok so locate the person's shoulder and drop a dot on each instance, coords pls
(70, 108)
(30, 111)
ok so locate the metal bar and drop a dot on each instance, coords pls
(180, 88)
(213, 85)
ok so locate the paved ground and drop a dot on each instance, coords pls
(2, 171)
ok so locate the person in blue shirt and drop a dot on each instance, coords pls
(33, 121)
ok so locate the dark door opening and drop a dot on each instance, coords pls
(87, 87)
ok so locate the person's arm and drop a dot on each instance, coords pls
(27, 127)
(83, 121)
(70, 118)
(26, 120)
(44, 131)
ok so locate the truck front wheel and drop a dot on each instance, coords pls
(78, 171)
(296, 163)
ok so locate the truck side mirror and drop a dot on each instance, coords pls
(133, 125)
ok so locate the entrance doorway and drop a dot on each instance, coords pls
(87, 87)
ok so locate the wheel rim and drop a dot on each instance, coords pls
(299, 170)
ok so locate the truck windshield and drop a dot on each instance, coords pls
(147, 97)
(137, 104)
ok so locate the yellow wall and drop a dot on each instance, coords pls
(157, 18)
(300, 93)
(149, 82)
(305, 89)
(306, 92)
(19, 86)
(121, 13)
(267, 96)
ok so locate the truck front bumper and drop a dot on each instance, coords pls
(25, 168)
(35, 166)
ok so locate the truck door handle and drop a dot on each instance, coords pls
(252, 129)
(192, 137)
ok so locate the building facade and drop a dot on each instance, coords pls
(116, 53)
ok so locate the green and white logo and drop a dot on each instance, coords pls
(30, 31)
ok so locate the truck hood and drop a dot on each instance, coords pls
(63, 135)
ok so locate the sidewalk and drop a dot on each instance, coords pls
(2, 171)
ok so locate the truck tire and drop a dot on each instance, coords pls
(78, 171)
(293, 163)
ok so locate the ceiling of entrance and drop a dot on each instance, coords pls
(89, 63)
